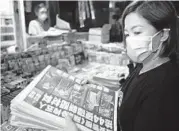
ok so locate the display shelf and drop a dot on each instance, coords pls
(7, 25)
(7, 43)
(7, 34)
(6, 16)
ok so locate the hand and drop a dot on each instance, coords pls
(70, 125)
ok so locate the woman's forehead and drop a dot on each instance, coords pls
(133, 20)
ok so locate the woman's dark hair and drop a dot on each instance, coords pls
(160, 14)
(38, 7)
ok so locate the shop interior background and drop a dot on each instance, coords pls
(19, 60)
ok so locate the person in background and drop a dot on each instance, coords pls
(41, 24)
(150, 99)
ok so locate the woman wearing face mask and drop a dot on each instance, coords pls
(39, 25)
(151, 92)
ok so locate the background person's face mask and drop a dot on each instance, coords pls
(140, 47)
(43, 17)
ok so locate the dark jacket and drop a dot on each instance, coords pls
(151, 100)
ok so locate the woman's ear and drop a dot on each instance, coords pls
(165, 35)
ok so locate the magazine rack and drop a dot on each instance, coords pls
(8, 31)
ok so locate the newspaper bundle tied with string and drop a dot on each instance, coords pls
(53, 94)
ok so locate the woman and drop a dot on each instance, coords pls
(39, 25)
(151, 93)
(151, 101)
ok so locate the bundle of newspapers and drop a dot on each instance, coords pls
(53, 94)
(102, 74)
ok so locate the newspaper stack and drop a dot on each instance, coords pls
(111, 75)
(103, 74)
(53, 94)
(7, 127)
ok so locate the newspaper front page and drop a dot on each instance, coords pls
(53, 94)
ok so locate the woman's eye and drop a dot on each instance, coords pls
(126, 35)
(137, 33)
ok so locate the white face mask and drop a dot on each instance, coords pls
(43, 17)
(140, 47)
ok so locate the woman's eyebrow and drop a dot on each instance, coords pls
(136, 26)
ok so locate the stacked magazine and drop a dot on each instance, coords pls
(53, 94)
(110, 76)
(103, 74)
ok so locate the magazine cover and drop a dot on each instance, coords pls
(53, 94)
